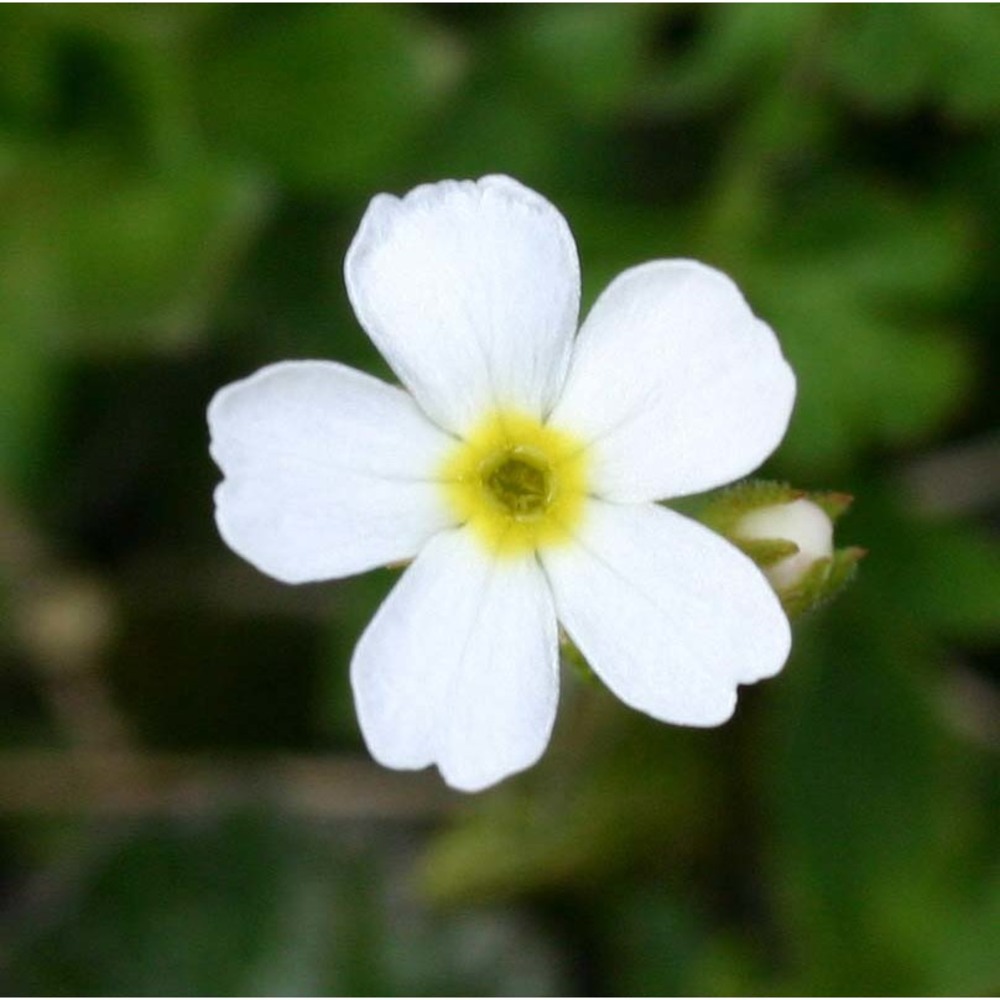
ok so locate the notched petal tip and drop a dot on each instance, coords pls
(669, 615)
(718, 715)
(458, 667)
(471, 782)
(470, 290)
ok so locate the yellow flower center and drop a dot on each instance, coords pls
(519, 484)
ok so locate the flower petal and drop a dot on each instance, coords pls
(459, 666)
(670, 615)
(471, 292)
(677, 384)
(328, 471)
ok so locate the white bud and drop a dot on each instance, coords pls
(802, 522)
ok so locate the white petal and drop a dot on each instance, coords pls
(471, 292)
(680, 387)
(459, 666)
(670, 615)
(328, 471)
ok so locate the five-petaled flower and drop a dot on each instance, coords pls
(519, 470)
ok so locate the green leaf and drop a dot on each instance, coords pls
(605, 764)
(187, 913)
(587, 60)
(737, 51)
(656, 940)
(854, 284)
(31, 378)
(963, 960)
(856, 778)
(27, 62)
(151, 255)
(891, 58)
(28, 363)
(880, 55)
(245, 905)
(127, 259)
(968, 37)
(931, 571)
(323, 96)
(492, 129)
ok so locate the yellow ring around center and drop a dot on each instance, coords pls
(548, 515)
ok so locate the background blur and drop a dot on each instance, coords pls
(185, 803)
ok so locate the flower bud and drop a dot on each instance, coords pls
(789, 534)
(801, 522)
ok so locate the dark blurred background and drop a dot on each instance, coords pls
(185, 803)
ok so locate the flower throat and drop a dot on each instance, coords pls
(520, 483)
(517, 483)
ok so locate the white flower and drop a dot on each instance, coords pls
(519, 470)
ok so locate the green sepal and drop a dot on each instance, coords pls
(766, 551)
(725, 507)
(845, 565)
(576, 660)
(809, 593)
(824, 580)
(835, 505)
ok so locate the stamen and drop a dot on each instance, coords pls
(522, 485)
(517, 483)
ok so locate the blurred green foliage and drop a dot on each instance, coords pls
(177, 188)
